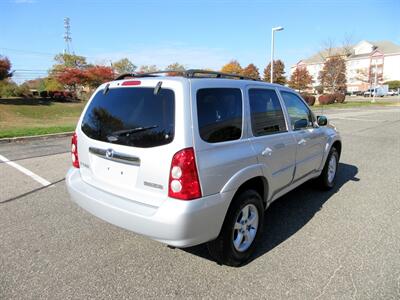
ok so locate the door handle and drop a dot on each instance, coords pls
(302, 142)
(267, 151)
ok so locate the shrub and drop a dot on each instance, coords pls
(8, 89)
(339, 97)
(44, 94)
(326, 99)
(310, 99)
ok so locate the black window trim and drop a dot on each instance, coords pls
(305, 104)
(243, 114)
(285, 116)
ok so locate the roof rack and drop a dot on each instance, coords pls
(192, 73)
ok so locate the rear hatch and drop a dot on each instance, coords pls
(128, 135)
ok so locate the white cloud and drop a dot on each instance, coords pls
(163, 55)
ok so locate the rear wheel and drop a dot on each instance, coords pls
(327, 178)
(241, 230)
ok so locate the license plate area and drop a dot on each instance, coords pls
(114, 173)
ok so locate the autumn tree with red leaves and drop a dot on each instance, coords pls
(251, 71)
(5, 67)
(97, 75)
(300, 79)
(70, 77)
(279, 72)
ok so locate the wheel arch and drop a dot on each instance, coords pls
(259, 184)
(251, 177)
(338, 146)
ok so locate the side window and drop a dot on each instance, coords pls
(219, 114)
(298, 111)
(266, 112)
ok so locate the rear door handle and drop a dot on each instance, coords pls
(302, 142)
(267, 151)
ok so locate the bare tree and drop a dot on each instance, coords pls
(348, 44)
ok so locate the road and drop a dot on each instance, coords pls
(317, 245)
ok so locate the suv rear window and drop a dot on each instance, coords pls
(131, 117)
(219, 113)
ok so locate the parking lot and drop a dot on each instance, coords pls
(341, 244)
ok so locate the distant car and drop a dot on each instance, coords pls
(374, 92)
(393, 93)
(359, 93)
(188, 159)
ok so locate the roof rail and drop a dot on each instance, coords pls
(192, 74)
(187, 74)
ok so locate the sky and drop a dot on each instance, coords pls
(195, 33)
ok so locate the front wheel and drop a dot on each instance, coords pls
(241, 230)
(327, 178)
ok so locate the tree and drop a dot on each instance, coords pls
(71, 77)
(148, 69)
(333, 75)
(175, 67)
(97, 75)
(51, 84)
(233, 67)
(279, 71)
(68, 71)
(70, 60)
(124, 66)
(300, 79)
(5, 66)
(393, 84)
(251, 71)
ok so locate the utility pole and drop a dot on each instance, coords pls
(67, 36)
(272, 50)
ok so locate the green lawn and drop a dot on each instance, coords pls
(24, 117)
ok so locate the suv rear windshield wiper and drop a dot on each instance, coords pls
(132, 130)
(114, 136)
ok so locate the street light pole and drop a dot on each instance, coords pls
(272, 50)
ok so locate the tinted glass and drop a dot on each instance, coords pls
(131, 116)
(219, 113)
(296, 108)
(266, 112)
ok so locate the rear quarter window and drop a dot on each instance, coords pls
(219, 114)
(131, 117)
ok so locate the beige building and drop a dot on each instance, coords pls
(363, 60)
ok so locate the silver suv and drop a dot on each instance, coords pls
(197, 157)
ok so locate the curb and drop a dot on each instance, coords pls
(35, 137)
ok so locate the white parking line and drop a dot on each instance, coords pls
(32, 175)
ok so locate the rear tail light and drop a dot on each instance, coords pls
(183, 178)
(74, 150)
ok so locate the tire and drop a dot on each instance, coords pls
(230, 248)
(328, 176)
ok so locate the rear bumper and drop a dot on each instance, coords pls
(175, 222)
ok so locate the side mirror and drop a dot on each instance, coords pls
(300, 124)
(322, 120)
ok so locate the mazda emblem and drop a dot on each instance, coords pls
(109, 153)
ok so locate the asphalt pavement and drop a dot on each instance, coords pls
(341, 244)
